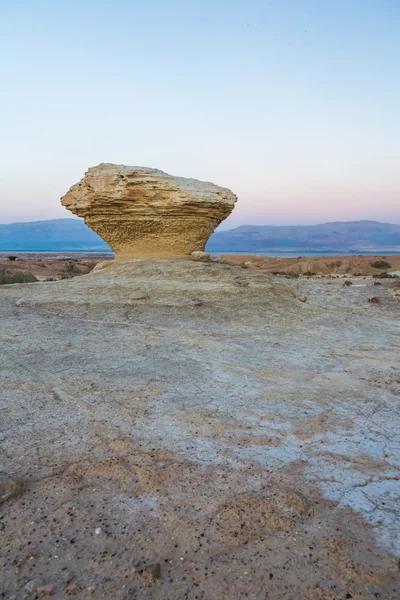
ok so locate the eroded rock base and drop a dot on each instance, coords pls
(165, 237)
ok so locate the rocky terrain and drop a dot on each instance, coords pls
(56, 266)
(188, 430)
(319, 265)
(142, 212)
(44, 270)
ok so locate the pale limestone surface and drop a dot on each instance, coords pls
(181, 436)
(143, 212)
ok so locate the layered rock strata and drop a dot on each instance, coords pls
(143, 212)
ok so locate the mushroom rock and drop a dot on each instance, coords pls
(142, 212)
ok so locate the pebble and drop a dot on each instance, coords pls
(72, 590)
(11, 488)
(138, 296)
(33, 585)
(152, 572)
(196, 302)
(45, 590)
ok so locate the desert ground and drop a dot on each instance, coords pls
(56, 265)
(50, 266)
(319, 265)
(182, 430)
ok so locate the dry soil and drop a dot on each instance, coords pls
(199, 431)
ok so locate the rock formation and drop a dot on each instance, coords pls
(142, 212)
(199, 256)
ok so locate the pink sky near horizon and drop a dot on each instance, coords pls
(259, 202)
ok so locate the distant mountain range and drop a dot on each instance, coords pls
(59, 235)
(72, 235)
(356, 236)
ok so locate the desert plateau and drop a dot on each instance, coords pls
(178, 429)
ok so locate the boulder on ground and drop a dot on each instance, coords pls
(142, 212)
(199, 256)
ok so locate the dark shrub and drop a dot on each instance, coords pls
(72, 268)
(380, 264)
(7, 276)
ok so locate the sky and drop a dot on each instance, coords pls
(293, 105)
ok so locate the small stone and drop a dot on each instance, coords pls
(11, 488)
(45, 590)
(33, 585)
(68, 345)
(196, 302)
(97, 530)
(241, 283)
(152, 572)
(303, 298)
(138, 296)
(72, 590)
(374, 300)
(30, 587)
(68, 577)
(199, 256)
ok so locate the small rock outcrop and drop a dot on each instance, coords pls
(199, 256)
(142, 212)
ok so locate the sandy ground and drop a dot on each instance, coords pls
(318, 265)
(200, 431)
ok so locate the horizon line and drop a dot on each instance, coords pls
(216, 229)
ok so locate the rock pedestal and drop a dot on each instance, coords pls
(142, 212)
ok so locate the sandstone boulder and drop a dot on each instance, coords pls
(200, 256)
(142, 212)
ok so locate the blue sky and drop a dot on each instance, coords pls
(294, 105)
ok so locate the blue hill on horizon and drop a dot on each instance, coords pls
(56, 235)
